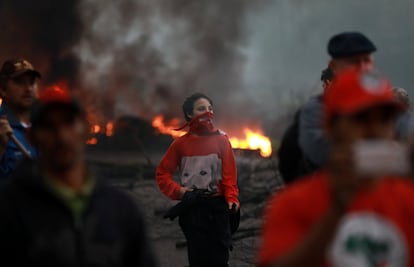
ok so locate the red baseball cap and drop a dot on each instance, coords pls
(353, 91)
(51, 98)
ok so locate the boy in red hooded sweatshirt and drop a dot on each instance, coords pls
(208, 179)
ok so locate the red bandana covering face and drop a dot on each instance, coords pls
(201, 124)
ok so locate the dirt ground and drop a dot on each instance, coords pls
(257, 178)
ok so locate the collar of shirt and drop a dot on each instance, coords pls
(75, 201)
(13, 120)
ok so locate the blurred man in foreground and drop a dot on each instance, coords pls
(18, 87)
(54, 212)
(356, 212)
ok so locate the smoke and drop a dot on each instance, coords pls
(144, 57)
(287, 47)
(44, 32)
(256, 59)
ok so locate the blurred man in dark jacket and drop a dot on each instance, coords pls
(347, 49)
(54, 212)
(304, 147)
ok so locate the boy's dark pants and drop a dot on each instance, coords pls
(207, 230)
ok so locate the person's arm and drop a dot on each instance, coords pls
(5, 131)
(165, 171)
(229, 174)
(10, 160)
(312, 138)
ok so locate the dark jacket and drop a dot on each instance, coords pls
(404, 126)
(293, 164)
(38, 229)
(13, 155)
(312, 139)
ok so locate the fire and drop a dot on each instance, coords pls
(167, 128)
(95, 129)
(253, 140)
(109, 128)
(92, 141)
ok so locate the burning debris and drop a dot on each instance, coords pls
(146, 57)
(251, 141)
(136, 63)
(168, 127)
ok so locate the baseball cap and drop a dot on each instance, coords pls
(51, 98)
(348, 44)
(353, 91)
(15, 67)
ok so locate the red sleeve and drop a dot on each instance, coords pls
(229, 172)
(282, 231)
(165, 171)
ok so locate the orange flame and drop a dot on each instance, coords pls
(95, 129)
(92, 141)
(253, 140)
(167, 128)
(109, 128)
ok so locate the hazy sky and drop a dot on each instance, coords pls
(256, 58)
(287, 45)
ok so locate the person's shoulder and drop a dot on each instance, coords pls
(399, 185)
(118, 198)
(305, 188)
(314, 102)
(179, 141)
(182, 139)
(112, 193)
(2, 110)
(222, 135)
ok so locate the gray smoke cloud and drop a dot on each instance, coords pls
(287, 48)
(258, 60)
(144, 57)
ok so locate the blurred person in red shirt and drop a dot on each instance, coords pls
(341, 216)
